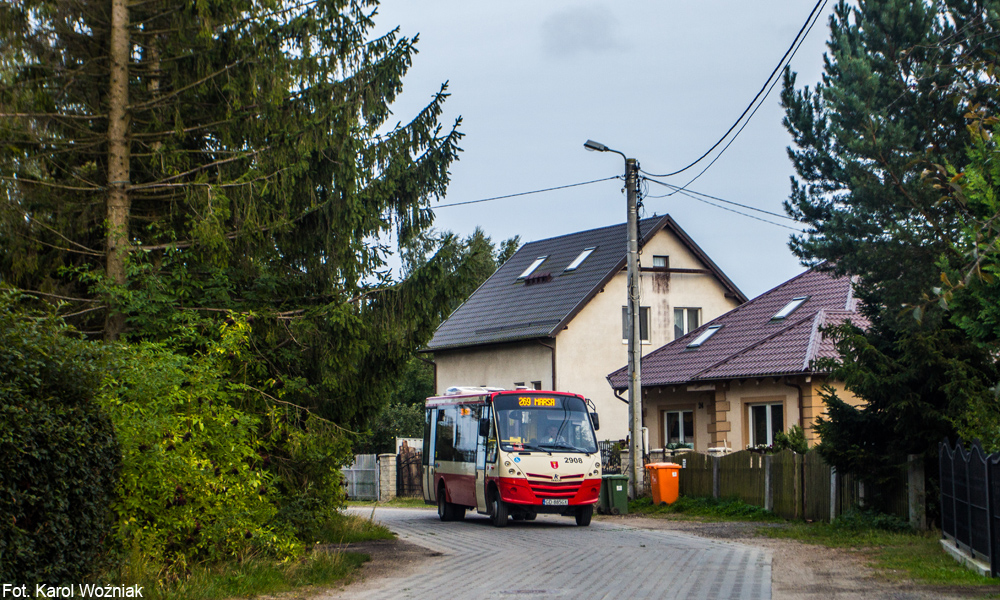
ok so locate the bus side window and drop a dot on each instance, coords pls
(444, 449)
(467, 434)
(425, 455)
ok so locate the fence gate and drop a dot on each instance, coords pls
(409, 473)
(362, 478)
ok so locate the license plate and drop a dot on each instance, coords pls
(555, 502)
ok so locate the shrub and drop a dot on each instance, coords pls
(866, 520)
(59, 457)
(195, 484)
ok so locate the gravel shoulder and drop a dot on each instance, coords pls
(802, 571)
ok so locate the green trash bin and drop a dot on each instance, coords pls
(614, 490)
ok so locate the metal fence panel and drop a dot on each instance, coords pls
(962, 535)
(611, 459)
(409, 473)
(362, 477)
(979, 512)
(947, 470)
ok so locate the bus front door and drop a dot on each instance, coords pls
(481, 452)
(430, 490)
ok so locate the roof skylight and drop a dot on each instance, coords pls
(579, 259)
(703, 336)
(789, 308)
(538, 262)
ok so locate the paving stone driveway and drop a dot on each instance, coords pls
(553, 558)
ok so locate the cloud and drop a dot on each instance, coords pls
(580, 30)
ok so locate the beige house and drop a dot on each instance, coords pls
(737, 380)
(552, 317)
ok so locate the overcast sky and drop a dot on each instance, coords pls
(659, 80)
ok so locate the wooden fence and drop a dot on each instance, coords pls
(794, 486)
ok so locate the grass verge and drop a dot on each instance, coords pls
(394, 503)
(257, 577)
(897, 554)
(711, 509)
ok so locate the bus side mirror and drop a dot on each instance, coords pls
(484, 427)
(595, 420)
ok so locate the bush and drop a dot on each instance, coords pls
(59, 457)
(865, 520)
(195, 484)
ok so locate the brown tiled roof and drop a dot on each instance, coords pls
(751, 343)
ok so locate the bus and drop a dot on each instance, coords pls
(511, 454)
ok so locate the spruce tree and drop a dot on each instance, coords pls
(167, 161)
(900, 77)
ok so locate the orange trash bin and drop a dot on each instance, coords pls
(664, 478)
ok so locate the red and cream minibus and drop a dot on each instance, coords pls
(511, 453)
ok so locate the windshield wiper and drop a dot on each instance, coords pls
(561, 446)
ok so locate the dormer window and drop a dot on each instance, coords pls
(579, 259)
(703, 336)
(789, 308)
(538, 262)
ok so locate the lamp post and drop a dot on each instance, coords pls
(634, 343)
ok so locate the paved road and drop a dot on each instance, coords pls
(553, 558)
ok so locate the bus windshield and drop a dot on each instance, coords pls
(545, 423)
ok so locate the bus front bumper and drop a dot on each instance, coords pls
(517, 490)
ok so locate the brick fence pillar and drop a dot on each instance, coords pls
(386, 477)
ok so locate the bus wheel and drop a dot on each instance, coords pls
(584, 514)
(443, 513)
(498, 510)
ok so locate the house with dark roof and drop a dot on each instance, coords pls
(552, 316)
(737, 380)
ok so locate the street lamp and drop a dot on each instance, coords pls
(634, 344)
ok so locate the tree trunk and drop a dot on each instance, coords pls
(118, 161)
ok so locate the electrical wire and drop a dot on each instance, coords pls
(804, 30)
(747, 122)
(694, 197)
(689, 192)
(561, 187)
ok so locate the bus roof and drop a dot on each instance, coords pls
(482, 395)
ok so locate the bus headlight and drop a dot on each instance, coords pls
(597, 465)
(511, 471)
(506, 463)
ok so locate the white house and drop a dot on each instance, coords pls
(552, 316)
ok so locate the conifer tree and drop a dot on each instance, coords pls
(166, 161)
(899, 78)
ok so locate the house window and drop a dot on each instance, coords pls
(579, 259)
(686, 320)
(789, 308)
(518, 385)
(531, 269)
(765, 421)
(678, 427)
(643, 324)
(703, 336)
(661, 262)
(537, 385)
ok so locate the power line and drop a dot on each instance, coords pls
(806, 27)
(694, 197)
(747, 122)
(561, 187)
(689, 192)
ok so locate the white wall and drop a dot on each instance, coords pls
(501, 365)
(591, 347)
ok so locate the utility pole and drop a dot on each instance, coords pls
(634, 341)
(633, 313)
